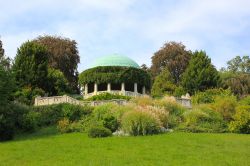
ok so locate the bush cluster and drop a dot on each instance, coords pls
(99, 131)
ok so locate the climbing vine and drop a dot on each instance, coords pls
(115, 74)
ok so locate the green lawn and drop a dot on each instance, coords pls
(48, 148)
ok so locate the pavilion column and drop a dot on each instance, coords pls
(109, 87)
(123, 88)
(95, 89)
(135, 88)
(143, 90)
(86, 89)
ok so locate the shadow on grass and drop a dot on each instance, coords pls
(40, 133)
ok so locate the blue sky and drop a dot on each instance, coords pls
(135, 28)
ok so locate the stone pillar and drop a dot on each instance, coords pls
(143, 90)
(109, 87)
(95, 89)
(86, 89)
(135, 88)
(123, 88)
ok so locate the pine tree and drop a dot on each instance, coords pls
(200, 74)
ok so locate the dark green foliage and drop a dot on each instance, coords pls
(7, 85)
(5, 62)
(108, 116)
(57, 83)
(115, 74)
(108, 96)
(99, 131)
(50, 115)
(163, 84)
(31, 66)
(200, 74)
(7, 123)
(64, 56)
(209, 95)
(26, 95)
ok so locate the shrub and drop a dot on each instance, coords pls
(241, 120)
(245, 101)
(75, 112)
(142, 101)
(109, 115)
(51, 114)
(139, 122)
(108, 96)
(99, 131)
(209, 95)
(63, 125)
(30, 121)
(203, 119)
(225, 106)
(175, 110)
(7, 124)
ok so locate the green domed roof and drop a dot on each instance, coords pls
(115, 60)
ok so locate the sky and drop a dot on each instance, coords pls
(134, 28)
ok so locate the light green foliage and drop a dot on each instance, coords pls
(163, 84)
(31, 65)
(176, 148)
(203, 119)
(200, 73)
(209, 95)
(108, 96)
(245, 101)
(241, 120)
(239, 64)
(58, 84)
(179, 91)
(225, 105)
(140, 123)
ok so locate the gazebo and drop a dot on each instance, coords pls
(115, 74)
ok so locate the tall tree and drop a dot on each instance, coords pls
(31, 65)
(239, 64)
(174, 56)
(3, 60)
(63, 56)
(200, 74)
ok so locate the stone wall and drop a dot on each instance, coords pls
(40, 101)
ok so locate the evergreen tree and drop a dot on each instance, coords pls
(31, 65)
(200, 74)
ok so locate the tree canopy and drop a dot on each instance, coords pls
(63, 55)
(174, 57)
(239, 64)
(31, 65)
(163, 84)
(200, 74)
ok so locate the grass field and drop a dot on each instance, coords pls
(49, 148)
